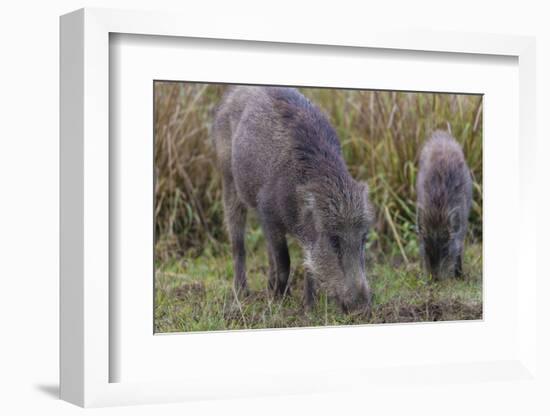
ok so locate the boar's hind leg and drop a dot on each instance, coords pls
(458, 266)
(235, 218)
(279, 259)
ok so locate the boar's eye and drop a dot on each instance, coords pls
(335, 242)
(364, 239)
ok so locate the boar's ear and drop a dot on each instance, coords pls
(369, 209)
(454, 221)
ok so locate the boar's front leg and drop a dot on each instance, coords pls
(279, 259)
(279, 268)
(458, 266)
(235, 218)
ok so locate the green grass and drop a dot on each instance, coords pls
(195, 294)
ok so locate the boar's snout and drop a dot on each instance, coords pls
(357, 299)
(435, 273)
(442, 270)
(440, 259)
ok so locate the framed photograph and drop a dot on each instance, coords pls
(336, 235)
(279, 213)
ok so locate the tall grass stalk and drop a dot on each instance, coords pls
(381, 133)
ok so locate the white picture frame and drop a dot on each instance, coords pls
(86, 356)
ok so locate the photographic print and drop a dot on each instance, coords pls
(280, 207)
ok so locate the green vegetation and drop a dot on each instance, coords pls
(381, 134)
(196, 294)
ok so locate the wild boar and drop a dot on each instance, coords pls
(279, 155)
(444, 192)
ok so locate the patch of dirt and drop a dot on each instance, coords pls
(441, 310)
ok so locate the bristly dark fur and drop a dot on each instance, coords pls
(444, 189)
(279, 154)
(319, 161)
(314, 139)
(446, 167)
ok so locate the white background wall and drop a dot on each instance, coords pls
(29, 116)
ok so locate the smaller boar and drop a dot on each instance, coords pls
(444, 192)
